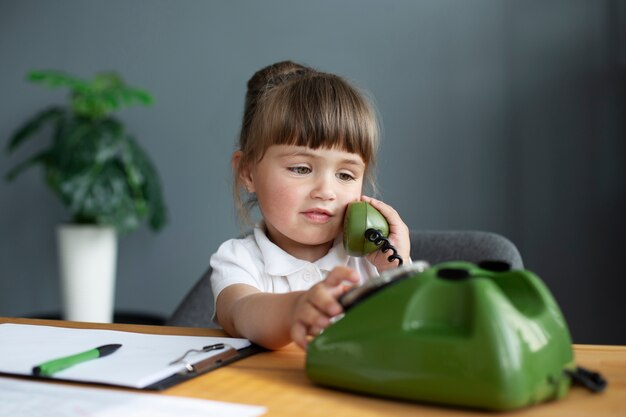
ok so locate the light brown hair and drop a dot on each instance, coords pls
(292, 104)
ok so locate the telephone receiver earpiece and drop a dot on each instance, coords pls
(365, 230)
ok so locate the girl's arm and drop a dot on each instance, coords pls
(274, 320)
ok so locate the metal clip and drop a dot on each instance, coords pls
(207, 348)
(209, 362)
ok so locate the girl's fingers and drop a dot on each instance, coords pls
(392, 216)
(339, 275)
(299, 335)
(310, 314)
(315, 330)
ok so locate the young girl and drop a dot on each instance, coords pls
(307, 145)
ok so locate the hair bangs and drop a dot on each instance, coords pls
(318, 112)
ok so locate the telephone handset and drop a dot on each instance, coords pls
(365, 230)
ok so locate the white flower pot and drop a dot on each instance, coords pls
(87, 261)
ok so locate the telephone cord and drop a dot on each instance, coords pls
(377, 238)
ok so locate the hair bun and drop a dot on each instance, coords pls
(276, 74)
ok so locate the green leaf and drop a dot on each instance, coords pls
(33, 125)
(111, 100)
(140, 96)
(56, 79)
(109, 201)
(151, 187)
(75, 144)
(107, 81)
(34, 160)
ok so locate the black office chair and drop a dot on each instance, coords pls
(196, 309)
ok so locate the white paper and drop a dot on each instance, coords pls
(142, 360)
(29, 399)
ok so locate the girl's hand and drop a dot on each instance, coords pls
(398, 236)
(315, 308)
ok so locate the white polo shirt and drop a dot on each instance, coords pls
(254, 260)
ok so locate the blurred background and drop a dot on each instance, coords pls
(503, 116)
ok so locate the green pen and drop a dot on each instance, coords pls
(51, 367)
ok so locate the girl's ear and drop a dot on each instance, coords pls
(242, 171)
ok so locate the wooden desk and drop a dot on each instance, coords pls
(277, 380)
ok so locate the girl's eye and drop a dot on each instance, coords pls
(300, 170)
(344, 176)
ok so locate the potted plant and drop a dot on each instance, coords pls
(101, 174)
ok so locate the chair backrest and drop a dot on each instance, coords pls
(471, 246)
(196, 309)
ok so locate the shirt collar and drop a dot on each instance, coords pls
(280, 263)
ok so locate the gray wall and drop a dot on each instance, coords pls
(505, 116)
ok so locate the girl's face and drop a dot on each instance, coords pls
(303, 194)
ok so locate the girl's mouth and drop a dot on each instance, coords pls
(318, 216)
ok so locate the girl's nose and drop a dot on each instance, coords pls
(323, 189)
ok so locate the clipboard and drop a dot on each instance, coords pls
(145, 361)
